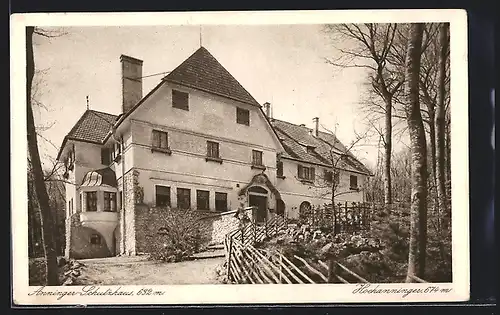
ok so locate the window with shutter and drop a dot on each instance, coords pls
(159, 141)
(311, 173)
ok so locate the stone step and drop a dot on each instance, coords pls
(209, 254)
(215, 246)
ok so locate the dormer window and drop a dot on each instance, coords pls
(180, 100)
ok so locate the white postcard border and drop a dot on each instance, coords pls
(229, 294)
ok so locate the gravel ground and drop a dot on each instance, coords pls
(139, 271)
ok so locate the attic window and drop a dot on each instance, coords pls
(180, 100)
(95, 239)
(310, 149)
(242, 116)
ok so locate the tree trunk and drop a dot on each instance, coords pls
(418, 212)
(388, 152)
(432, 140)
(440, 125)
(51, 276)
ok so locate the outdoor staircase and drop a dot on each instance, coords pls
(212, 251)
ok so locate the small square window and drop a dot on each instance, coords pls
(213, 150)
(95, 239)
(160, 139)
(257, 157)
(202, 200)
(180, 100)
(243, 116)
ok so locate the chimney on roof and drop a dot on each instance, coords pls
(316, 126)
(131, 82)
(267, 109)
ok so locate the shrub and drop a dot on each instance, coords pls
(180, 235)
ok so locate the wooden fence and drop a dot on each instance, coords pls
(247, 264)
(350, 216)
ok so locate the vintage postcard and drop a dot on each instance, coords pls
(199, 158)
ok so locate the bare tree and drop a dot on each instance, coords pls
(418, 211)
(52, 277)
(377, 50)
(339, 157)
(440, 123)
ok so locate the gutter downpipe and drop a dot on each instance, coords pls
(122, 202)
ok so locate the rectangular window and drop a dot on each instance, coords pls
(220, 202)
(213, 150)
(279, 169)
(109, 201)
(160, 139)
(202, 200)
(257, 157)
(105, 156)
(183, 198)
(117, 150)
(242, 116)
(353, 182)
(91, 201)
(328, 176)
(180, 100)
(162, 196)
(305, 173)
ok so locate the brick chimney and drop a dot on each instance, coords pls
(131, 82)
(316, 126)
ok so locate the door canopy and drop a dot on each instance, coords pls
(262, 180)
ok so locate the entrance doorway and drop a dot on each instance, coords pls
(261, 203)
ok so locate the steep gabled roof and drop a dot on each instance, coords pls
(296, 139)
(92, 127)
(203, 72)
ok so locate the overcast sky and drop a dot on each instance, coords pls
(283, 65)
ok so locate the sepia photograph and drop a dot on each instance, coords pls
(229, 154)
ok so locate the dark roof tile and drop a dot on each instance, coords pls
(93, 126)
(202, 71)
(295, 140)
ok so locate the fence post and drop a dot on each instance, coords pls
(331, 270)
(229, 259)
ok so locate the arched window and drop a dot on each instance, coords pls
(257, 189)
(305, 210)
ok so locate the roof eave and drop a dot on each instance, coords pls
(326, 165)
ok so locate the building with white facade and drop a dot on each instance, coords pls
(198, 141)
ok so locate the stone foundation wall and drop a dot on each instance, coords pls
(128, 216)
(78, 238)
